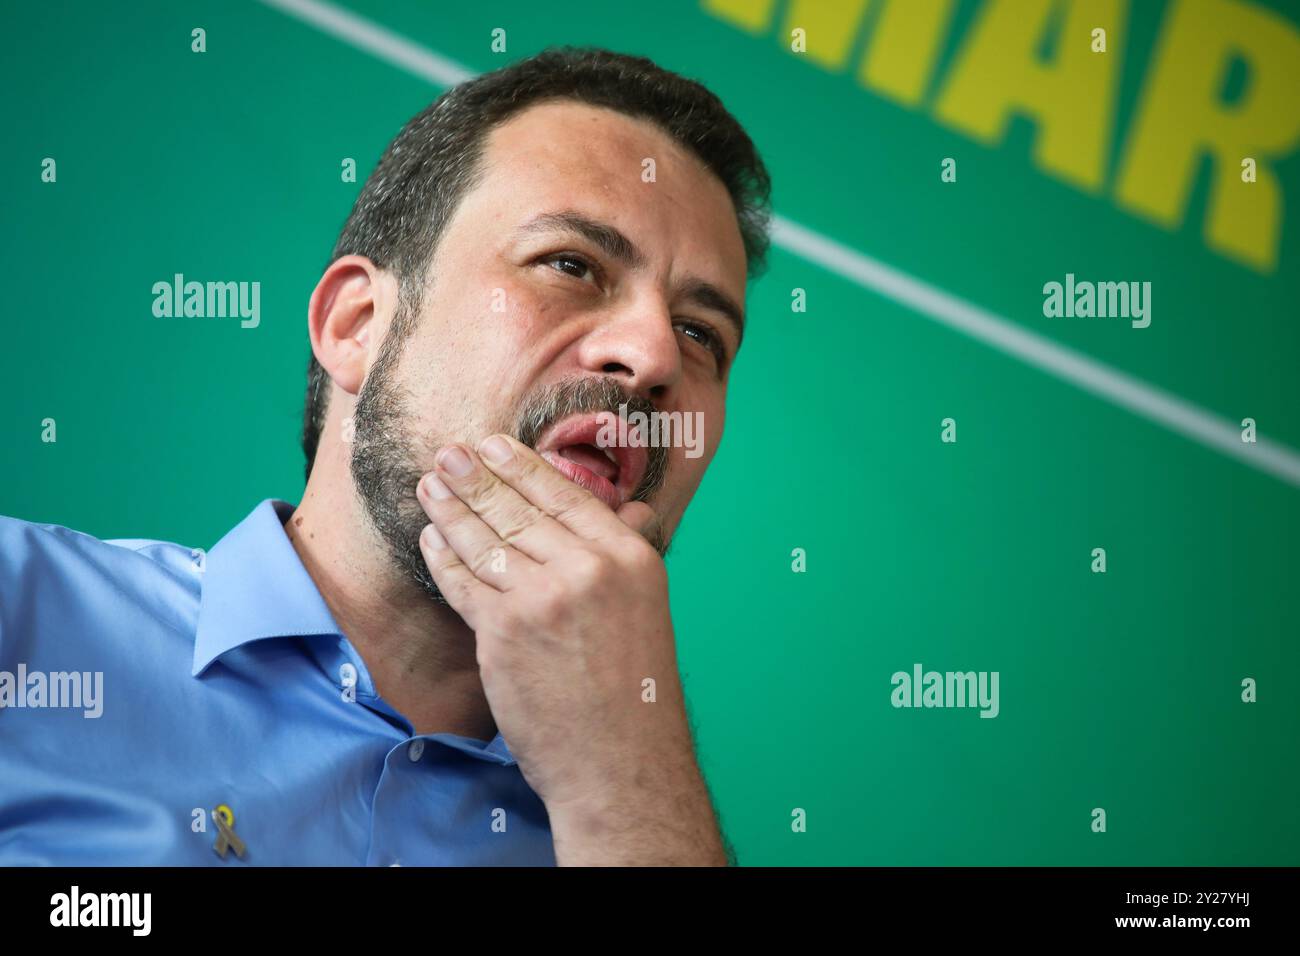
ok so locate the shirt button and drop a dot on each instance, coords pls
(348, 674)
(416, 750)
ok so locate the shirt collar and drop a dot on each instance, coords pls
(255, 587)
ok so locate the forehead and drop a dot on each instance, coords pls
(569, 155)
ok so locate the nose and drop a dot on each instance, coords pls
(638, 346)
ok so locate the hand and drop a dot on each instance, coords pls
(569, 606)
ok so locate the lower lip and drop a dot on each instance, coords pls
(601, 487)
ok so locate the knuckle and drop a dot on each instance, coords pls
(549, 604)
(457, 521)
(516, 522)
(525, 467)
(484, 488)
(635, 552)
(484, 561)
(586, 568)
(475, 489)
(569, 499)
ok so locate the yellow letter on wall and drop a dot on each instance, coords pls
(997, 73)
(1181, 117)
(904, 46)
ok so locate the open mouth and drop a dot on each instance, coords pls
(611, 474)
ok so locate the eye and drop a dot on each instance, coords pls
(707, 338)
(571, 265)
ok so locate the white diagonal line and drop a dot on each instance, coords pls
(1093, 376)
(376, 39)
(1139, 397)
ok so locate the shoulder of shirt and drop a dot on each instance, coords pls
(26, 546)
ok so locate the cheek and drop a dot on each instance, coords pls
(710, 419)
(528, 319)
(698, 438)
(687, 466)
(482, 335)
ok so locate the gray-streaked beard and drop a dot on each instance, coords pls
(386, 457)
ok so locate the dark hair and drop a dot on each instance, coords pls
(418, 182)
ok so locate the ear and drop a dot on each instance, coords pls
(341, 318)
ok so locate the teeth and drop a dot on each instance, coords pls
(610, 455)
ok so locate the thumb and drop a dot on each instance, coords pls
(644, 520)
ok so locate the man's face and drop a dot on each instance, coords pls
(531, 325)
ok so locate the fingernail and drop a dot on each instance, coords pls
(456, 462)
(434, 488)
(496, 450)
(432, 539)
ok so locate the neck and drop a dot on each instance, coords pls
(420, 654)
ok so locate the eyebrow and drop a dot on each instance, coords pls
(619, 247)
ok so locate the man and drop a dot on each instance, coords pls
(473, 562)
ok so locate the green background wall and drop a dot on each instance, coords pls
(1118, 690)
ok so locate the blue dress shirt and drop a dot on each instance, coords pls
(223, 681)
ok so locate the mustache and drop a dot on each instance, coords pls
(584, 396)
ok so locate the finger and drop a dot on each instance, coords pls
(511, 516)
(538, 482)
(480, 549)
(645, 521)
(639, 516)
(463, 591)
